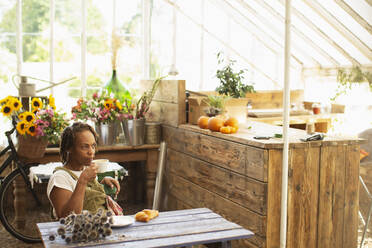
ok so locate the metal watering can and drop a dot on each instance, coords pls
(29, 89)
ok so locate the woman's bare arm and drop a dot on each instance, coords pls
(65, 201)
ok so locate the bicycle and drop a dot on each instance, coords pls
(20, 221)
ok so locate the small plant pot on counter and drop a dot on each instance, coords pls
(198, 106)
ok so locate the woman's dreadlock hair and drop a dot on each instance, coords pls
(68, 138)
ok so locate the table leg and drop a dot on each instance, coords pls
(151, 168)
(19, 202)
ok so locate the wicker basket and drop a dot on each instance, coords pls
(31, 147)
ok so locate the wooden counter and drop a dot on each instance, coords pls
(240, 178)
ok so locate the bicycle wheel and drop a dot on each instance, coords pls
(19, 211)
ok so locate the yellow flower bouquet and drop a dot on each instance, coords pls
(43, 121)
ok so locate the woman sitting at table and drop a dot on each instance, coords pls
(74, 187)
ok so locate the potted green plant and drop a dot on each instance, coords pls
(232, 85)
(231, 81)
(216, 105)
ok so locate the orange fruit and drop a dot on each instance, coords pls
(232, 122)
(226, 129)
(215, 123)
(234, 129)
(203, 121)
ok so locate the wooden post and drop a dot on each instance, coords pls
(151, 167)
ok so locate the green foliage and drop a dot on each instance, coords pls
(35, 19)
(216, 104)
(92, 81)
(137, 109)
(217, 101)
(96, 46)
(346, 79)
(63, 52)
(130, 28)
(37, 49)
(231, 81)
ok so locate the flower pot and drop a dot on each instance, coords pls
(134, 131)
(107, 133)
(152, 134)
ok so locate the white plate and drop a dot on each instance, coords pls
(120, 221)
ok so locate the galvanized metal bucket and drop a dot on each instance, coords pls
(153, 132)
(107, 133)
(134, 131)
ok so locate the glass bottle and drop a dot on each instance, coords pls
(310, 126)
(117, 88)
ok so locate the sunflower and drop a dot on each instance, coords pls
(36, 103)
(34, 111)
(52, 101)
(29, 117)
(5, 100)
(16, 104)
(21, 116)
(118, 105)
(7, 109)
(21, 127)
(108, 104)
(31, 130)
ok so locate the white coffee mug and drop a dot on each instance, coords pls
(102, 164)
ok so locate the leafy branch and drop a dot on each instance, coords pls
(231, 81)
(143, 104)
(346, 78)
(216, 104)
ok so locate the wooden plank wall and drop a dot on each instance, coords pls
(273, 98)
(268, 99)
(229, 178)
(169, 103)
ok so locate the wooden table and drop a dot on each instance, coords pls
(170, 229)
(322, 121)
(121, 153)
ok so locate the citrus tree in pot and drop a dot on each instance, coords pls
(231, 84)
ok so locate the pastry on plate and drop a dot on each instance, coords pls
(146, 215)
